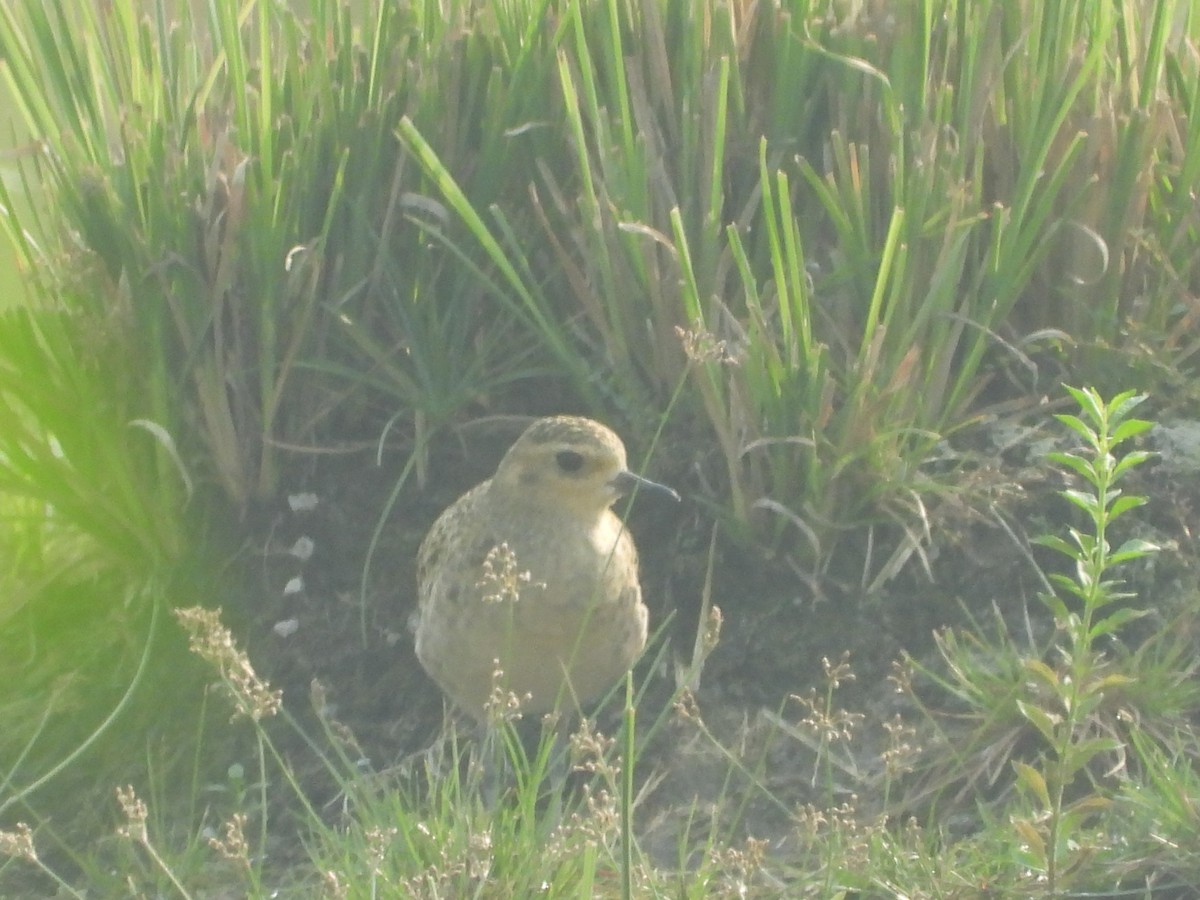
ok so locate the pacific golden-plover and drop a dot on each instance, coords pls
(528, 584)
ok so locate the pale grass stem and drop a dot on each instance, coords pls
(134, 829)
(213, 642)
(232, 844)
(503, 706)
(18, 844)
(503, 578)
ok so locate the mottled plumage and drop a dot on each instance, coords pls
(533, 569)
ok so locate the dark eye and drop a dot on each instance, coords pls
(569, 460)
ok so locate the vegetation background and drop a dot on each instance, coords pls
(826, 266)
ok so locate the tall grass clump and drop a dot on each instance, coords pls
(94, 533)
(325, 216)
(233, 185)
(865, 216)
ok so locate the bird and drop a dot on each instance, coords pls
(528, 590)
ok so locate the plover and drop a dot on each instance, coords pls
(528, 584)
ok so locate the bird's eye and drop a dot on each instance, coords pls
(569, 461)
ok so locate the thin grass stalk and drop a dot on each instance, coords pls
(20, 793)
(628, 763)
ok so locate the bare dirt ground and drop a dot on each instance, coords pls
(344, 622)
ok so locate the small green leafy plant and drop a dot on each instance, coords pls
(1066, 695)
